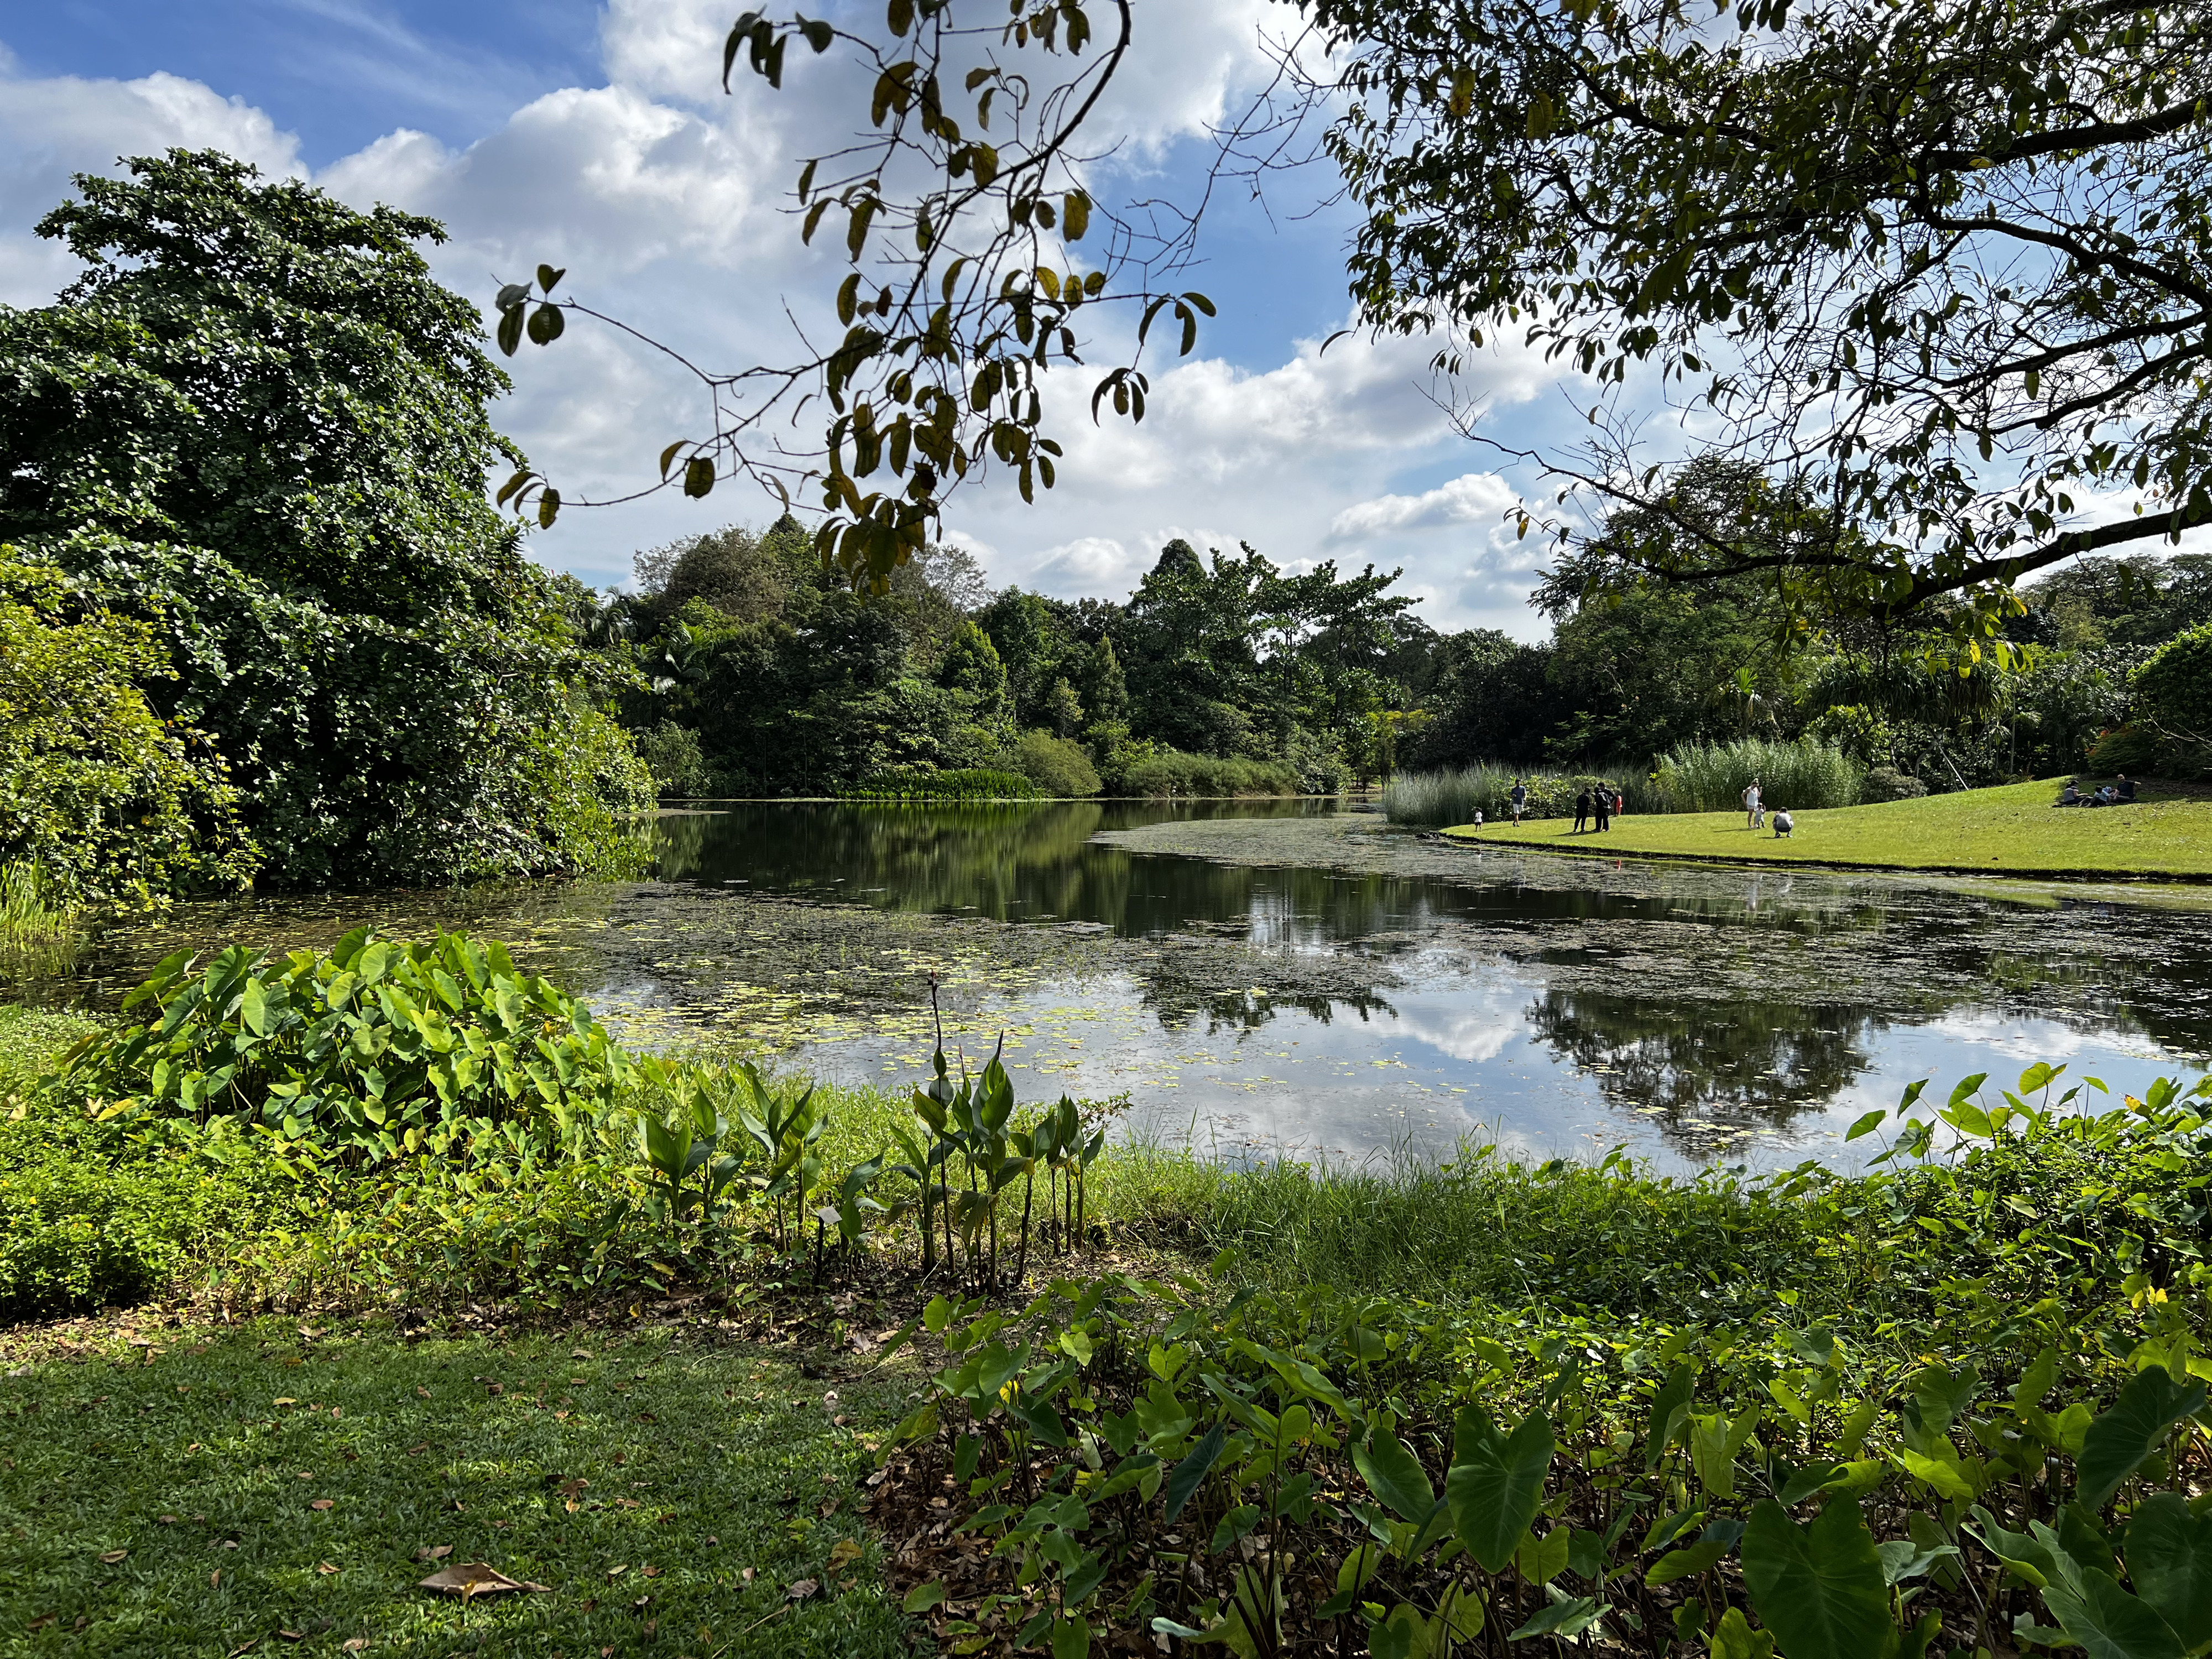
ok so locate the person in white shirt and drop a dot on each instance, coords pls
(1783, 825)
(1752, 817)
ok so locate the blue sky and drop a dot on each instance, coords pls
(595, 136)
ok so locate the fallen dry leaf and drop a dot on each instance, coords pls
(326, 1568)
(322, 1504)
(433, 1551)
(245, 1647)
(617, 1573)
(474, 1578)
(293, 1635)
(648, 1573)
(424, 1392)
(286, 1400)
(843, 1555)
(40, 1623)
(112, 1557)
(416, 1451)
(356, 1645)
(166, 1519)
(801, 1588)
(214, 1578)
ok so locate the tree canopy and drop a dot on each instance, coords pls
(256, 424)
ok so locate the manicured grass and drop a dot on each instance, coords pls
(262, 1483)
(2012, 829)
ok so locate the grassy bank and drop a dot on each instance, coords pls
(2013, 829)
(205, 1492)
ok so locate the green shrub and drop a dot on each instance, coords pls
(672, 753)
(1163, 774)
(2175, 690)
(375, 1051)
(1056, 766)
(2137, 747)
(1711, 777)
(1887, 783)
(971, 783)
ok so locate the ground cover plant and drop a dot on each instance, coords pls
(1487, 1407)
(2014, 829)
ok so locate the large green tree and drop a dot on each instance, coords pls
(256, 422)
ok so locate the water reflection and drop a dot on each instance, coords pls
(1278, 976)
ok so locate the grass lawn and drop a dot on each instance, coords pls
(258, 1490)
(2013, 829)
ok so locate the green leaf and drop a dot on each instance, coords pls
(1734, 1638)
(1183, 1479)
(1542, 1559)
(2131, 1430)
(1866, 1123)
(1496, 1485)
(922, 1597)
(2169, 1554)
(2108, 1622)
(1820, 1589)
(1947, 1478)
(1071, 1638)
(1673, 1399)
(1394, 1475)
(1566, 1618)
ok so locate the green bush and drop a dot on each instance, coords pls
(672, 753)
(2175, 690)
(2137, 747)
(1887, 783)
(1057, 765)
(1163, 774)
(1711, 777)
(376, 1051)
(971, 783)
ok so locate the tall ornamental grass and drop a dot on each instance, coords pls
(1442, 799)
(1711, 777)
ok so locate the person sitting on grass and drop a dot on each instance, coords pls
(2124, 788)
(1784, 825)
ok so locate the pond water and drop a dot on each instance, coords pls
(1285, 979)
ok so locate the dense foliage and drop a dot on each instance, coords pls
(101, 800)
(256, 426)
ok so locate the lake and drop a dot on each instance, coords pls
(1289, 979)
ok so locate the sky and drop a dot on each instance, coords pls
(598, 138)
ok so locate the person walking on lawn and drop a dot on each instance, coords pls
(1752, 818)
(1520, 798)
(1582, 811)
(1604, 808)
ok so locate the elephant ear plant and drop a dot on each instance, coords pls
(377, 1051)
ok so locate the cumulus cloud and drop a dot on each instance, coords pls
(667, 202)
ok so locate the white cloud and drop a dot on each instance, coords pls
(52, 128)
(1471, 498)
(666, 200)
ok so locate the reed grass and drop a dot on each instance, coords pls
(1440, 799)
(1711, 777)
(34, 921)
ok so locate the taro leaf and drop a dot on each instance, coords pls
(1570, 1617)
(1399, 1635)
(1184, 1478)
(1717, 1541)
(1735, 1638)
(1394, 1475)
(1903, 1558)
(2110, 1623)
(1542, 1559)
(2170, 1558)
(1071, 1638)
(1496, 1485)
(1943, 1395)
(2131, 1430)
(1820, 1589)
(1673, 1398)
(2029, 1557)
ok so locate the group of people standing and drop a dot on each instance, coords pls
(1604, 801)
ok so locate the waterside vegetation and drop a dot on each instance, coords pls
(1278, 1409)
